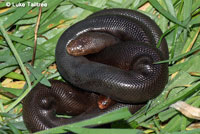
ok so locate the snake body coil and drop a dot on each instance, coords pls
(124, 71)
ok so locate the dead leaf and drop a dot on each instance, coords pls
(187, 110)
(194, 125)
(9, 83)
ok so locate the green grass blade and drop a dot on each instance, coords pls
(87, 7)
(170, 7)
(21, 97)
(8, 12)
(13, 129)
(161, 10)
(6, 70)
(38, 74)
(103, 131)
(167, 103)
(106, 118)
(141, 2)
(195, 5)
(14, 75)
(180, 56)
(19, 13)
(195, 20)
(16, 55)
(195, 131)
(187, 9)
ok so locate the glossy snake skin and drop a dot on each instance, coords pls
(124, 71)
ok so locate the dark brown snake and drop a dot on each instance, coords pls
(112, 53)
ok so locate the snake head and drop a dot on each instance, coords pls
(90, 42)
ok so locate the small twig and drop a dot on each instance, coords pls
(35, 39)
(43, 37)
